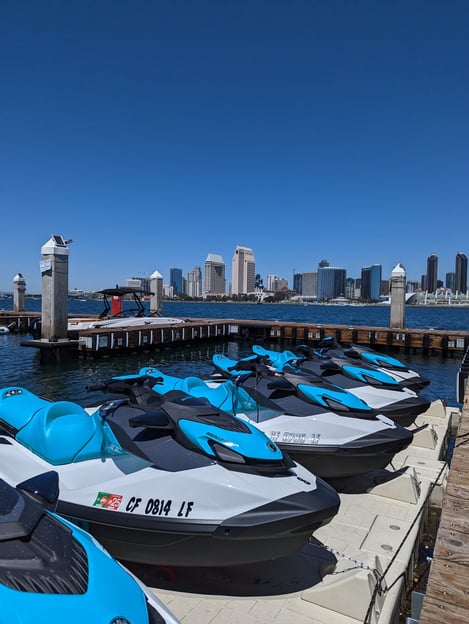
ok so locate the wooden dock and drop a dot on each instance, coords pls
(105, 341)
(447, 593)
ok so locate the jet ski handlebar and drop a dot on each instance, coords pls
(124, 386)
(252, 365)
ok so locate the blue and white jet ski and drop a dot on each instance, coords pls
(330, 445)
(330, 347)
(400, 404)
(51, 571)
(177, 483)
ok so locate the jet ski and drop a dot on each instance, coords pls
(330, 445)
(180, 483)
(52, 571)
(330, 347)
(400, 404)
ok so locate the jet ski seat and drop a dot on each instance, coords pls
(190, 385)
(224, 396)
(9, 412)
(63, 432)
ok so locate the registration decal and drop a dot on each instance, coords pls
(106, 500)
(160, 507)
(295, 437)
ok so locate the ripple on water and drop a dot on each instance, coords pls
(67, 381)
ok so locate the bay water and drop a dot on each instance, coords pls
(20, 365)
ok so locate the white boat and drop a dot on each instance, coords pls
(130, 317)
(4, 329)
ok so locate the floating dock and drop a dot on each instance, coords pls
(357, 569)
(105, 341)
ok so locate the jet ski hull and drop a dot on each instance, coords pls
(166, 504)
(349, 460)
(275, 530)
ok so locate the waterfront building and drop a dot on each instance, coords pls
(309, 284)
(450, 281)
(432, 273)
(298, 283)
(194, 283)
(276, 283)
(460, 285)
(350, 288)
(331, 282)
(385, 287)
(168, 292)
(139, 282)
(371, 282)
(243, 271)
(412, 286)
(271, 282)
(175, 281)
(214, 276)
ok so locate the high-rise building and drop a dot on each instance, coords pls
(139, 282)
(331, 282)
(175, 281)
(259, 285)
(432, 273)
(460, 280)
(194, 283)
(350, 287)
(243, 271)
(298, 283)
(214, 277)
(274, 283)
(310, 284)
(450, 281)
(371, 282)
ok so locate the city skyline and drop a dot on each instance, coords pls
(153, 133)
(459, 272)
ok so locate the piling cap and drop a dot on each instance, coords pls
(398, 270)
(56, 245)
(19, 279)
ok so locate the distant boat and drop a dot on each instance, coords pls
(4, 329)
(112, 318)
(123, 318)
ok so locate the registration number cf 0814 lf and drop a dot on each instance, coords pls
(295, 437)
(160, 507)
(148, 506)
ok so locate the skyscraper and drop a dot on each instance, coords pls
(331, 282)
(432, 273)
(371, 282)
(310, 284)
(243, 271)
(194, 283)
(175, 281)
(214, 278)
(461, 273)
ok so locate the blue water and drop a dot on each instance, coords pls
(22, 366)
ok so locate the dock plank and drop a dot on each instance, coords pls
(447, 593)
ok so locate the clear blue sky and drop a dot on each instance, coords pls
(153, 133)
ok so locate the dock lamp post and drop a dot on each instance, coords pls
(54, 272)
